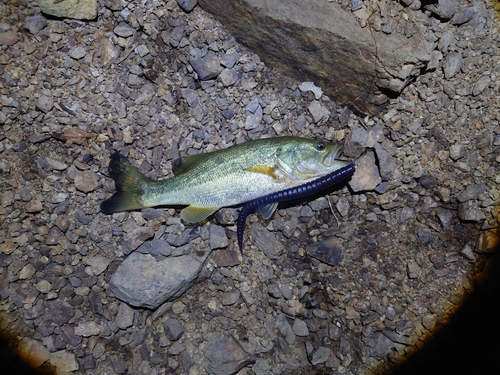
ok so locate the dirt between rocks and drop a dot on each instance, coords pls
(412, 242)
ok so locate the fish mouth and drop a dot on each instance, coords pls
(331, 159)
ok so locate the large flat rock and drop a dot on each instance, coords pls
(319, 41)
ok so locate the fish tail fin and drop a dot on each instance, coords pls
(129, 183)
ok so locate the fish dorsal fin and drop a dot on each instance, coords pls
(194, 214)
(265, 169)
(267, 210)
(185, 163)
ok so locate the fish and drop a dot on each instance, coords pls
(259, 173)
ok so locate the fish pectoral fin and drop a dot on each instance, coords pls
(265, 169)
(267, 210)
(194, 214)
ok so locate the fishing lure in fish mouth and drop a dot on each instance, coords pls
(269, 202)
(259, 173)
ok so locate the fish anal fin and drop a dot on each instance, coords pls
(267, 210)
(194, 214)
(264, 169)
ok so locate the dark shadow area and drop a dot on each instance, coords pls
(470, 343)
(11, 363)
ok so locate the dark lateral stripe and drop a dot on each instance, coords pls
(292, 193)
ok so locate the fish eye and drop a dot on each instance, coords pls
(320, 146)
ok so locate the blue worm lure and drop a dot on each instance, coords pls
(296, 192)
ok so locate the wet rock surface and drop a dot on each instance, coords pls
(353, 280)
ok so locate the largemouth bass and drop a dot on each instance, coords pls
(230, 177)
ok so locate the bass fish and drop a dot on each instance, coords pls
(259, 173)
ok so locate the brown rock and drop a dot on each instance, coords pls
(319, 41)
(77, 9)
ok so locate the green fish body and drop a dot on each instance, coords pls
(229, 177)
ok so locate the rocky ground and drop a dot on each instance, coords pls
(409, 238)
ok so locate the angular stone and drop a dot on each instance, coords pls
(317, 354)
(471, 192)
(86, 181)
(452, 64)
(125, 316)
(266, 241)
(378, 345)
(318, 111)
(35, 23)
(98, 264)
(44, 103)
(143, 282)
(367, 176)
(87, 329)
(328, 251)
(77, 9)
(8, 38)
(296, 33)
(300, 328)
(187, 5)
(173, 329)
(207, 67)
(224, 355)
(218, 238)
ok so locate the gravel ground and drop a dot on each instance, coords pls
(411, 240)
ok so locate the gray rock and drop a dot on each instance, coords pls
(310, 86)
(444, 8)
(120, 107)
(207, 66)
(457, 151)
(254, 114)
(345, 72)
(452, 64)
(35, 23)
(266, 241)
(229, 60)
(98, 263)
(428, 181)
(173, 329)
(224, 355)
(8, 38)
(227, 258)
(299, 327)
(230, 298)
(77, 9)
(464, 15)
(318, 111)
(480, 85)
(77, 53)
(445, 217)
(229, 77)
(378, 345)
(106, 53)
(413, 269)
(328, 251)
(125, 316)
(366, 177)
(191, 97)
(469, 211)
(317, 354)
(425, 235)
(123, 30)
(86, 181)
(471, 192)
(218, 238)
(136, 237)
(44, 103)
(386, 163)
(143, 282)
(187, 5)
